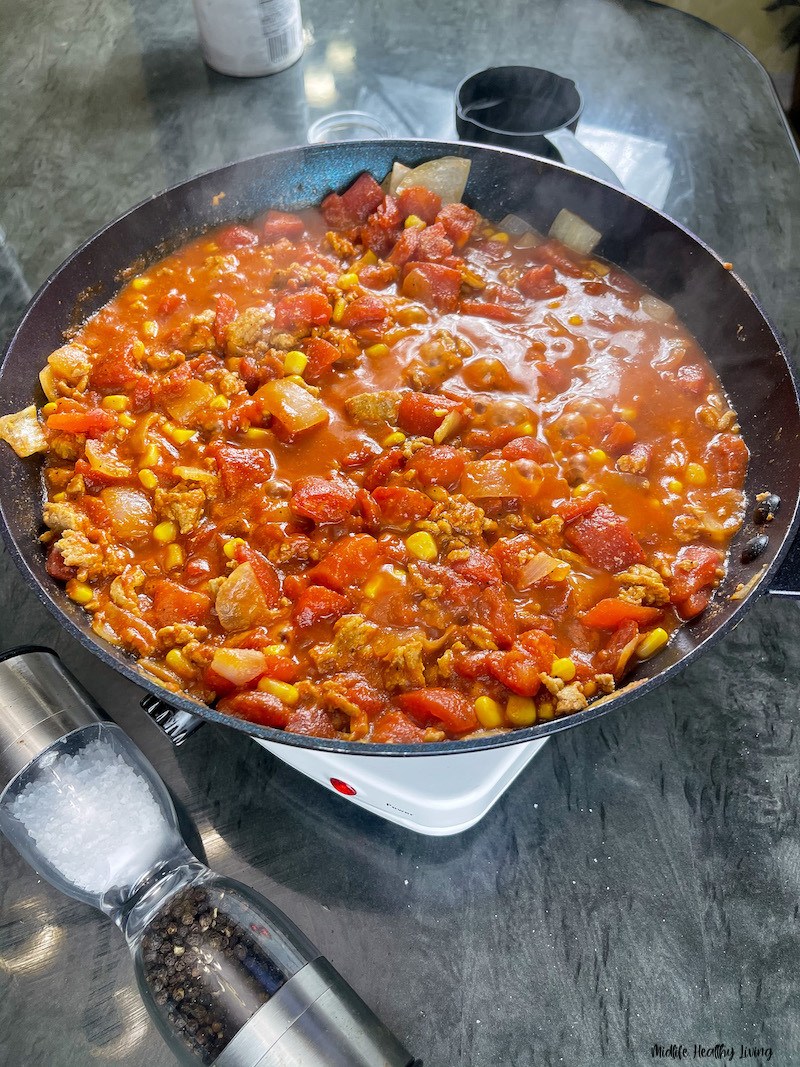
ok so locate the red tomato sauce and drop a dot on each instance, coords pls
(382, 472)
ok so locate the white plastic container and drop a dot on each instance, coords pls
(249, 38)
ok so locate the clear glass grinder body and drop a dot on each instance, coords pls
(90, 814)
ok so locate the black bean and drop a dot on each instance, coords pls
(754, 548)
(767, 509)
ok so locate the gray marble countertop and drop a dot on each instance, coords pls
(639, 884)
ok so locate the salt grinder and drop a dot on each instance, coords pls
(227, 978)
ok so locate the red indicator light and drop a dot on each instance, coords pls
(343, 787)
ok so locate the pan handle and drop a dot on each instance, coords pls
(177, 725)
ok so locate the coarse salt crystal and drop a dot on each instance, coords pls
(92, 817)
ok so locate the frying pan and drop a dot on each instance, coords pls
(714, 304)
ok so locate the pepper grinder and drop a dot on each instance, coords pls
(228, 979)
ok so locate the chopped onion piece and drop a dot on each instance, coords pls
(656, 308)
(572, 231)
(106, 460)
(238, 665)
(291, 405)
(240, 602)
(514, 225)
(393, 178)
(23, 432)
(542, 566)
(529, 240)
(501, 478)
(130, 513)
(447, 177)
(192, 397)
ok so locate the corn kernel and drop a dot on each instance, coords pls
(627, 414)
(80, 592)
(599, 268)
(414, 220)
(501, 237)
(229, 548)
(181, 435)
(254, 436)
(374, 585)
(369, 259)
(378, 351)
(347, 281)
(393, 439)
(589, 689)
(597, 455)
(275, 650)
(212, 246)
(294, 362)
(554, 303)
(165, 532)
(422, 546)
(137, 349)
(140, 283)
(473, 280)
(176, 661)
(220, 403)
(282, 690)
(575, 320)
(338, 310)
(652, 642)
(674, 485)
(50, 409)
(696, 474)
(147, 478)
(173, 557)
(489, 712)
(527, 429)
(114, 402)
(150, 328)
(582, 490)
(127, 420)
(546, 710)
(563, 669)
(58, 497)
(521, 711)
(407, 316)
(150, 456)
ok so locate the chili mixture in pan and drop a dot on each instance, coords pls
(386, 471)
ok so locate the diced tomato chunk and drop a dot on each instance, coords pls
(308, 308)
(540, 646)
(434, 244)
(540, 283)
(496, 612)
(433, 284)
(479, 567)
(527, 448)
(406, 247)
(323, 499)
(347, 563)
(354, 206)
(171, 302)
(242, 468)
(56, 567)
(608, 614)
(378, 276)
(421, 202)
(383, 227)
(394, 728)
(455, 710)
(726, 456)
(692, 379)
(458, 221)
(91, 421)
(517, 671)
(113, 372)
(319, 604)
(380, 469)
(618, 652)
(236, 237)
(620, 438)
(364, 310)
(555, 254)
(556, 376)
(488, 311)
(258, 707)
(172, 603)
(321, 355)
(423, 413)
(605, 540)
(438, 465)
(226, 313)
(570, 510)
(694, 572)
(280, 224)
(400, 505)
